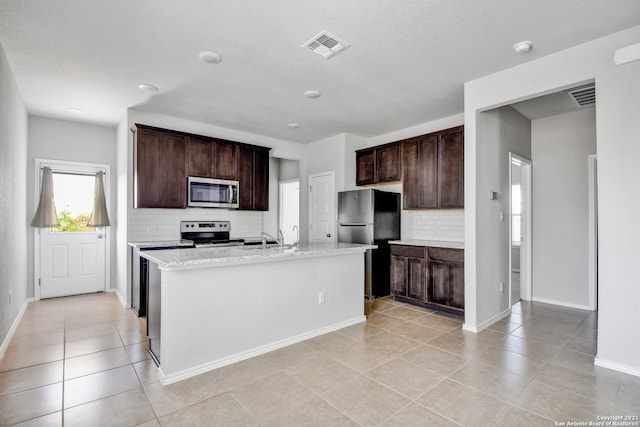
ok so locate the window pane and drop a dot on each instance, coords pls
(73, 195)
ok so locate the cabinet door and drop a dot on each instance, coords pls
(200, 157)
(245, 177)
(388, 167)
(420, 173)
(417, 277)
(429, 172)
(366, 167)
(411, 175)
(451, 169)
(148, 171)
(225, 160)
(439, 282)
(261, 179)
(456, 277)
(398, 275)
(174, 170)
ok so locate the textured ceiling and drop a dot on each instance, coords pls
(406, 64)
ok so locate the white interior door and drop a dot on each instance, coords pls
(73, 257)
(322, 207)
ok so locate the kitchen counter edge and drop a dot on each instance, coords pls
(192, 258)
(431, 243)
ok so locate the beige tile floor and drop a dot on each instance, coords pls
(82, 361)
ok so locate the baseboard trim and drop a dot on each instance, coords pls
(120, 298)
(238, 357)
(14, 326)
(484, 325)
(561, 303)
(620, 367)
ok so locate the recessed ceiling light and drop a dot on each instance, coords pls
(148, 88)
(522, 47)
(293, 125)
(210, 57)
(312, 94)
(75, 110)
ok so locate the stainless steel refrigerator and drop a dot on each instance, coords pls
(371, 217)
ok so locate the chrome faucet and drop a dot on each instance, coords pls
(266, 236)
(297, 242)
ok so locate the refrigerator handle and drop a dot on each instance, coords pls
(353, 224)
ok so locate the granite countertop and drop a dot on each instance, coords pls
(161, 244)
(189, 258)
(432, 243)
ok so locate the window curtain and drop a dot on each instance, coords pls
(46, 215)
(99, 216)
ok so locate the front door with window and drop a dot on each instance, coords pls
(72, 256)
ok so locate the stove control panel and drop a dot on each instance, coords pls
(204, 226)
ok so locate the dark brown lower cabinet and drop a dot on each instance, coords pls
(428, 276)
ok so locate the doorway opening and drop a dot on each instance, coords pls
(72, 258)
(289, 221)
(593, 232)
(519, 229)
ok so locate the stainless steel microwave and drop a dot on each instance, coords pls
(212, 193)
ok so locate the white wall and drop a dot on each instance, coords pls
(560, 201)
(288, 169)
(70, 141)
(13, 200)
(500, 131)
(618, 127)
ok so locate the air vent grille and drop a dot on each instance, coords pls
(584, 96)
(326, 45)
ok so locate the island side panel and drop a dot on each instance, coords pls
(215, 316)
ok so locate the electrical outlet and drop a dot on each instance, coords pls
(501, 287)
(321, 298)
(10, 297)
(151, 229)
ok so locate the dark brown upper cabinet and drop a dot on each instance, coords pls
(160, 175)
(200, 157)
(377, 165)
(225, 159)
(366, 167)
(213, 158)
(253, 178)
(163, 159)
(433, 173)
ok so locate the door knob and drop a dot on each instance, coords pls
(100, 236)
(328, 234)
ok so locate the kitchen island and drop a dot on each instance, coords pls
(210, 307)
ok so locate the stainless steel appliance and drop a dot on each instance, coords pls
(212, 193)
(371, 217)
(139, 270)
(208, 233)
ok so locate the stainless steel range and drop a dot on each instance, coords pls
(205, 234)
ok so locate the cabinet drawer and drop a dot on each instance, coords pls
(408, 251)
(445, 254)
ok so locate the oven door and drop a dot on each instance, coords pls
(212, 193)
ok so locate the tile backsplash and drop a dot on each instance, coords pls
(437, 224)
(164, 224)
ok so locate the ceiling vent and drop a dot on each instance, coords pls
(326, 45)
(584, 96)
